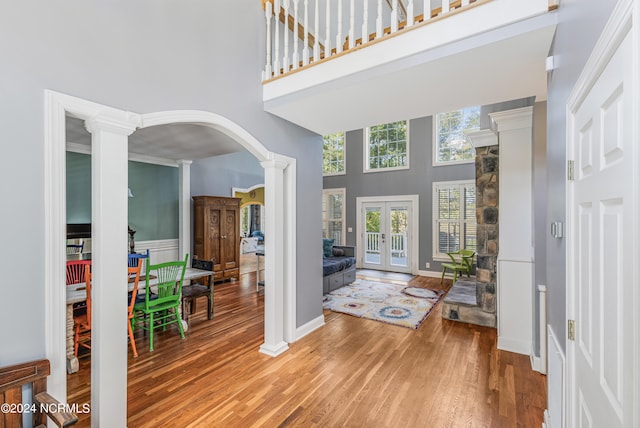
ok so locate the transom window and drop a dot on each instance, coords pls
(333, 209)
(386, 147)
(450, 144)
(333, 154)
(454, 214)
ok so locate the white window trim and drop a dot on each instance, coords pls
(338, 191)
(434, 147)
(365, 153)
(434, 219)
(344, 159)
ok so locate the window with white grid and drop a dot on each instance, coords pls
(454, 215)
(333, 212)
(386, 147)
(333, 154)
(450, 144)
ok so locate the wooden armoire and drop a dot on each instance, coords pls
(216, 234)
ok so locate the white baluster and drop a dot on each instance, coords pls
(427, 11)
(296, 57)
(352, 24)
(465, 3)
(379, 20)
(445, 6)
(285, 59)
(268, 11)
(316, 37)
(365, 22)
(327, 40)
(276, 56)
(305, 49)
(410, 17)
(394, 16)
(339, 30)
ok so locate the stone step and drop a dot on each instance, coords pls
(460, 304)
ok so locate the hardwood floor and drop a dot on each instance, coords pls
(351, 372)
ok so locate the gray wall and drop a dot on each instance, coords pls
(215, 176)
(418, 179)
(579, 26)
(153, 211)
(143, 56)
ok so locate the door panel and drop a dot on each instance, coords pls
(601, 253)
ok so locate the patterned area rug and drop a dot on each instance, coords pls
(389, 303)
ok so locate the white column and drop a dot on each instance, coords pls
(394, 16)
(285, 60)
(305, 48)
(352, 24)
(276, 39)
(327, 31)
(410, 16)
(109, 181)
(379, 30)
(515, 231)
(426, 14)
(267, 68)
(365, 22)
(339, 41)
(296, 57)
(274, 343)
(316, 38)
(445, 6)
(184, 209)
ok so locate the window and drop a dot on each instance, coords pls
(251, 218)
(333, 154)
(386, 147)
(450, 145)
(333, 206)
(454, 214)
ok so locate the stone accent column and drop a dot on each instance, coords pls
(487, 216)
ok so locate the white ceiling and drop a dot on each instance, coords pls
(168, 142)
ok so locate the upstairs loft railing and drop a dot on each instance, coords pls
(294, 40)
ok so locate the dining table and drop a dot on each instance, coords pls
(77, 293)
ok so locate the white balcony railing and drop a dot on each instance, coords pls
(295, 38)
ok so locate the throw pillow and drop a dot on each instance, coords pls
(327, 247)
(338, 252)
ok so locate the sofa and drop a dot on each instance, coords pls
(339, 268)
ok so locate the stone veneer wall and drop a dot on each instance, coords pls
(487, 159)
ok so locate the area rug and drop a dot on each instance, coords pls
(388, 303)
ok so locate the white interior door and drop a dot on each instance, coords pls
(601, 254)
(386, 236)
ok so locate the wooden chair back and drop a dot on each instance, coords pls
(76, 270)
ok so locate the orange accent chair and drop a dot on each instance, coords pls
(134, 274)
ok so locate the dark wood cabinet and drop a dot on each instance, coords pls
(216, 234)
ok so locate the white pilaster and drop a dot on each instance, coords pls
(274, 343)
(109, 181)
(482, 138)
(515, 259)
(184, 209)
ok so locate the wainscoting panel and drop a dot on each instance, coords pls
(554, 416)
(162, 250)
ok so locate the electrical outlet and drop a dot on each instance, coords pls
(427, 265)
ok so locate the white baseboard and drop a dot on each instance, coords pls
(432, 274)
(546, 422)
(274, 350)
(556, 411)
(307, 328)
(536, 363)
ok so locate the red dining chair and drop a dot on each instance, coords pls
(134, 273)
(82, 323)
(75, 275)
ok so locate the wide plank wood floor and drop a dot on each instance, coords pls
(350, 373)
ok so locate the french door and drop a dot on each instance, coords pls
(386, 236)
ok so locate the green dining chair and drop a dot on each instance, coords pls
(461, 261)
(161, 308)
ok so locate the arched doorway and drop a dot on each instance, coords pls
(110, 129)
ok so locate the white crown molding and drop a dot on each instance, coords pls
(509, 120)
(482, 138)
